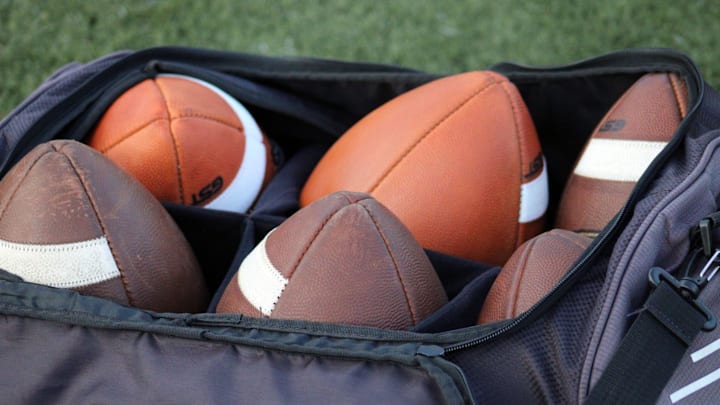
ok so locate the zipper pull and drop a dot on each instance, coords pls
(703, 231)
(430, 350)
(689, 286)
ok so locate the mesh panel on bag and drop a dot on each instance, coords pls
(539, 363)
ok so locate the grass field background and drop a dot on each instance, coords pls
(37, 37)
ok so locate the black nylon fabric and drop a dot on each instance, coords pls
(65, 364)
(543, 361)
(650, 351)
(698, 136)
(103, 339)
(333, 85)
(699, 363)
(611, 327)
(538, 361)
(53, 91)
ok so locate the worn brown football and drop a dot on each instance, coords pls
(458, 160)
(622, 146)
(71, 218)
(532, 271)
(343, 259)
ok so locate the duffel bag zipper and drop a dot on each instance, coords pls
(550, 297)
(601, 242)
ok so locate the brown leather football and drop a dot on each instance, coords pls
(458, 160)
(70, 218)
(532, 271)
(622, 146)
(343, 259)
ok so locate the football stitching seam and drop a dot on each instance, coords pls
(124, 281)
(521, 146)
(317, 233)
(266, 264)
(430, 131)
(570, 240)
(176, 148)
(676, 93)
(275, 273)
(132, 132)
(209, 118)
(135, 130)
(34, 248)
(394, 260)
(523, 267)
(19, 183)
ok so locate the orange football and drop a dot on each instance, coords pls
(188, 142)
(458, 160)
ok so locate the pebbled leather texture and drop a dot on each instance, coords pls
(347, 260)
(532, 271)
(649, 111)
(64, 191)
(448, 158)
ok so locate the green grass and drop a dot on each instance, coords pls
(36, 37)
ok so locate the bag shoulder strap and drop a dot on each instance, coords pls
(651, 350)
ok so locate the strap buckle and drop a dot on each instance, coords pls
(690, 287)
